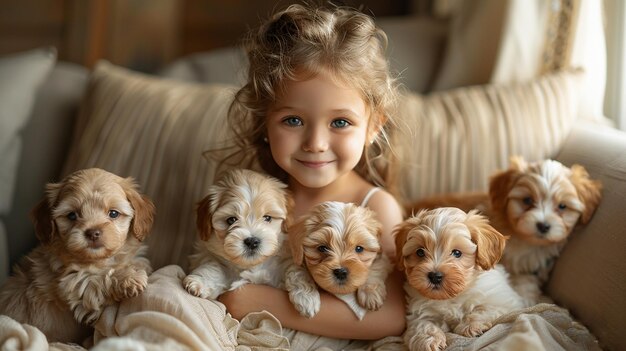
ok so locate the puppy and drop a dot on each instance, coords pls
(336, 247)
(242, 225)
(453, 284)
(91, 226)
(538, 205)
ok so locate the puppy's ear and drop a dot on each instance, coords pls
(400, 233)
(144, 209)
(289, 206)
(490, 243)
(205, 210)
(45, 228)
(499, 186)
(589, 191)
(297, 233)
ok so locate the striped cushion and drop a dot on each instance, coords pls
(454, 140)
(155, 130)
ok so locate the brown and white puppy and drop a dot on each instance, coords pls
(242, 225)
(537, 204)
(91, 226)
(453, 283)
(336, 247)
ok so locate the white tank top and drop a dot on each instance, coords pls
(368, 196)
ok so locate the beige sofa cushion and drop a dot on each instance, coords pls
(156, 130)
(21, 75)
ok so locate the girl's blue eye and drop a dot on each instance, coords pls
(359, 249)
(72, 216)
(114, 214)
(456, 253)
(339, 123)
(292, 121)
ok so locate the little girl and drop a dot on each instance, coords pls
(315, 113)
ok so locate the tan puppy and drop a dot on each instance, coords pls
(538, 205)
(336, 247)
(453, 284)
(91, 226)
(242, 225)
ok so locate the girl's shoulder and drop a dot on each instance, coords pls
(384, 204)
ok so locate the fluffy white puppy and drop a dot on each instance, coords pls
(242, 225)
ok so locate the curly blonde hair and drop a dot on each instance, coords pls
(306, 40)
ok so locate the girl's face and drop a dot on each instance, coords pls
(317, 130)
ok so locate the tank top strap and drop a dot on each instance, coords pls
(369, 195)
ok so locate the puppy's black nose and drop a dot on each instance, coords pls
(543, 227)
(340, 273)
(93, 234)
(435, 277)
(252, 242)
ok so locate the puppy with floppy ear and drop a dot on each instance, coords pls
(453, 283)
(241, 225)
(91, 226)
(537, 204)
(336, 247)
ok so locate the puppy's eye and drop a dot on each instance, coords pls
(359, 249)
(231, 220)
(528, 201)
(420, 252)
(267, 218)
(456, 253)
(562, 206)
(323, 249)
(113, 214)
(72, 216)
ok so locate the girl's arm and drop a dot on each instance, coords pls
(335, 319)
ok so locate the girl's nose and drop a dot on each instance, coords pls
(316, 140)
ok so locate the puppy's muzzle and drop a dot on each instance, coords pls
(252, 243)
(435, 277)
(94, 235)
(341, 274)
(543, 227)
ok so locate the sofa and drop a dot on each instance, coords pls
(155, 127)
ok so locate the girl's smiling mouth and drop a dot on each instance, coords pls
(314, 164)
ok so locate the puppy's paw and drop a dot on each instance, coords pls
(86, 316)
(132, 286)
(193, 284)
(432, 341)
(306, 303)
(371, 296)
(472, 329)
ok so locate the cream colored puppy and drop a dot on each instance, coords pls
(453, 284)
(91, 226)
(241, 225)
(336, 247)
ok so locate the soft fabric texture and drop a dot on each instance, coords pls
(453, 141)
(21, 76)
(589, 278)
(166, 317)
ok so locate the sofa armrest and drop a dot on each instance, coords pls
(589, 277)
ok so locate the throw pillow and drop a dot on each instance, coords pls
(21, 74)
